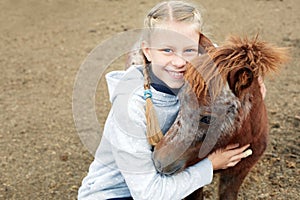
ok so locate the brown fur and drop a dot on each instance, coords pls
(238, 63)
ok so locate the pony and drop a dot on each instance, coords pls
(221, 104)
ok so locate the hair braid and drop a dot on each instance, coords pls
(154, 133)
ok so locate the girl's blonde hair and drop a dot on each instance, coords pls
(167, 11)
(177, 11)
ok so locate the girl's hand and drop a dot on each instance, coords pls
(263, 88)
(228, 157)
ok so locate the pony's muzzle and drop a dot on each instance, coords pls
(168, 169)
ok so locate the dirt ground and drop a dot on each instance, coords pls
(43, 44)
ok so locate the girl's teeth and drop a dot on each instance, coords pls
(177, 74)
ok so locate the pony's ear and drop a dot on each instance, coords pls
(204, 44)
(239, 80)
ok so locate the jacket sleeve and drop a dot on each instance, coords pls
(133, 156)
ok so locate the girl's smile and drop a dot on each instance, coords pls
(176, 75)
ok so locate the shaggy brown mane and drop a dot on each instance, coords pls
(208, 72)
(260, 56)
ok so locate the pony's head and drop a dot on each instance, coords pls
(225, 83)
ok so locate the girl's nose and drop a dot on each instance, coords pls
(178, 61)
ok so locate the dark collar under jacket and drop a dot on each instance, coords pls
(161, 86)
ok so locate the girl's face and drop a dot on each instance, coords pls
(169, 49)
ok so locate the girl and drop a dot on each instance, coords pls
(123, 168)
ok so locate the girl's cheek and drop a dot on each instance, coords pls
(191, 57)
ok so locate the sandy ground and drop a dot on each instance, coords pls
(43, 44)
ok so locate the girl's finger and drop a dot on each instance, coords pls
(232, 146)
(240, 156)
(263, 89)
(241, 149)
(231, 164)
(237, 151)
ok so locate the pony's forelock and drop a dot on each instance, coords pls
(238, 52)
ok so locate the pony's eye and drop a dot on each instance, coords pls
(207, 119)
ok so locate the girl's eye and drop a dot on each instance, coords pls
(191, 50)
(167, 50)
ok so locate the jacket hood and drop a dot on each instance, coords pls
(124, 82)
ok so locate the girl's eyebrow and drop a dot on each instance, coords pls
(192, 47)
(162, 45)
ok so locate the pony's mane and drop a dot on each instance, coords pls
(199, 74)
(208, 72)
(260, 56)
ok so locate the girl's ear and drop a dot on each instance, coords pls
(146, 50)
